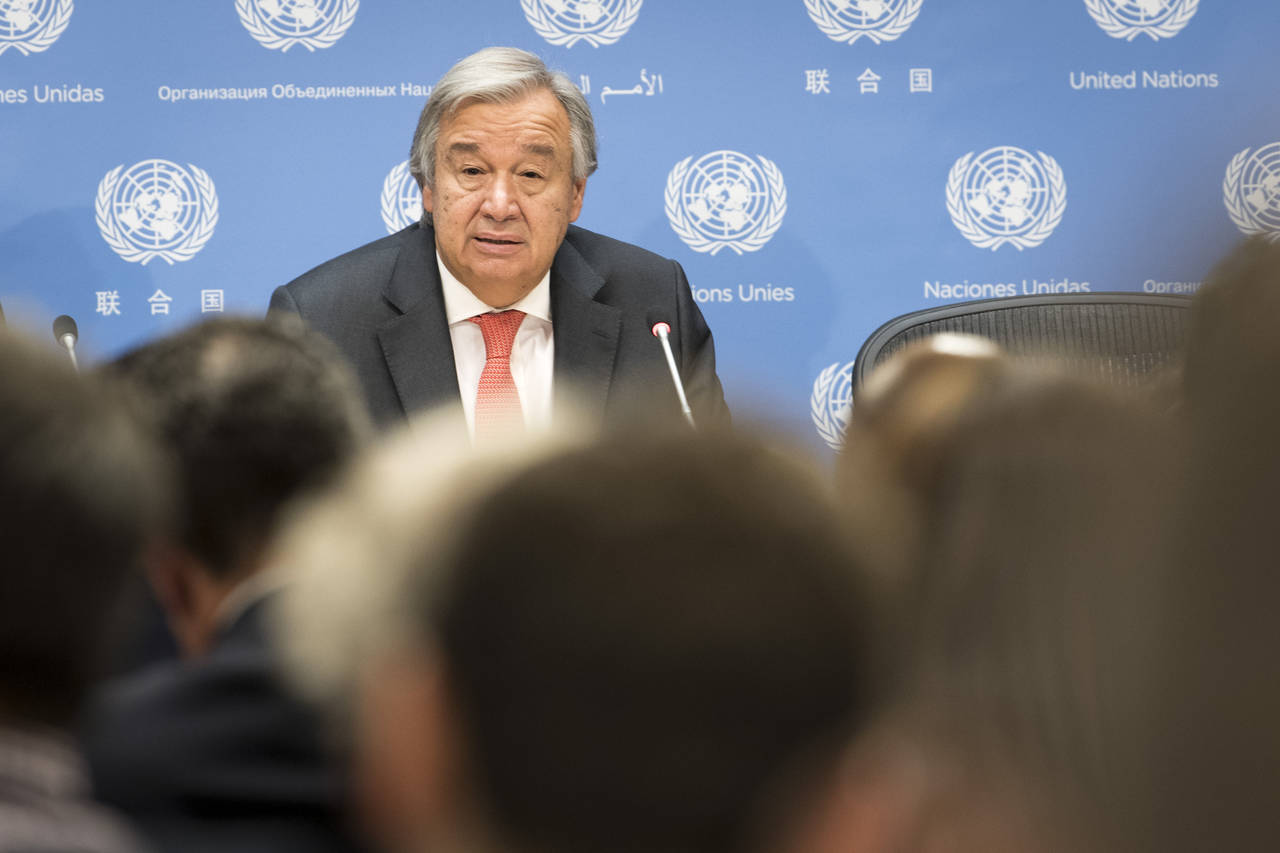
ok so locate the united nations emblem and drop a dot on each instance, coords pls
(1006, 195)
(280, 24)
(1251, 191)
(725, 200)
(567, 22)
(831, 403)
(30, 26)
(156, 209)
(401, 199)
(876, 20)
(1127, 19)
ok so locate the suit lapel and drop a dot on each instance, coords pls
(416, 344)
(586, 334)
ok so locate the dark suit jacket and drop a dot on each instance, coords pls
(382, 304)
(214, 755)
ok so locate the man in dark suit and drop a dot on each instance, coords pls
(502, 153)
(212, 753)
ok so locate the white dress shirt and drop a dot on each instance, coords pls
(532, 353)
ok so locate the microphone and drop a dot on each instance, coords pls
(66, 334)
(661, 330)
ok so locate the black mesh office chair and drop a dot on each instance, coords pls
(1118, 337)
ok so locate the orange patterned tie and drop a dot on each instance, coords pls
(497, 400)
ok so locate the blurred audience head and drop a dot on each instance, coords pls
(253, 413)
(1232, 347)
(1214, 742)
(1039, 585)
(1039, 510)
(82, 492)
(902, 416)
(629, 644)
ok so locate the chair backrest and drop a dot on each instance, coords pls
(1117, 337)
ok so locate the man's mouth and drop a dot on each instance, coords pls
(498, 241)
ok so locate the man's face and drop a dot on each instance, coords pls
(504, 194)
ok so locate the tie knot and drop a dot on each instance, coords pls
(499, 330)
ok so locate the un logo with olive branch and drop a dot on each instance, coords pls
(875, 20)
(567, 22)
(725, 200)
(401, 199)
(1128, 19)
(281, 24)
(156, 209)
(1251, 191)
(31, 26)
(831, 403)
(1006, 196)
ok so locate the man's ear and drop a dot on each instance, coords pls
(428, 201)
(164, 564)
(186, 594)
(408, 757)
(579, 192)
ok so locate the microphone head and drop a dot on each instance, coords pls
(63, 326)
(661, 328)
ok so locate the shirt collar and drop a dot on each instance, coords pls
(247, 593)
(460, 303)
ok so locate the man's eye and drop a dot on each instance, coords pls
(531, 174)
(470, 170)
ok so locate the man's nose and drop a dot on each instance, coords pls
(500, 199)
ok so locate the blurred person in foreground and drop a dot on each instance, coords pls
(1040, 509)
(631, 645)
(1214, 737)
(82, 491)
(904, 412)
(211, 752)
(495, 303)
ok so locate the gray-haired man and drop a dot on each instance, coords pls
(502, 152)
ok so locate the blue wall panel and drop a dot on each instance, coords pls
(1111, 145)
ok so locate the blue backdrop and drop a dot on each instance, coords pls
(817, 166)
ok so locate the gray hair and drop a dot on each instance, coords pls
(499, 75)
